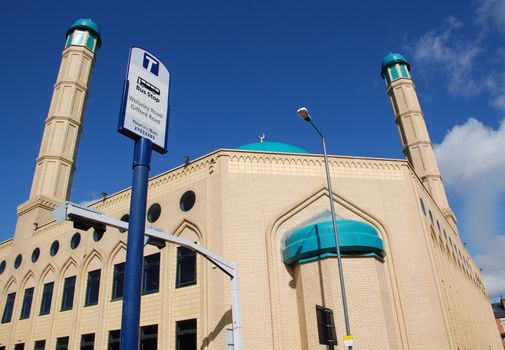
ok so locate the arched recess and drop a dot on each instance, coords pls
(28, 281)
(48, 275)
(10, 287)
(118, 254)
(93, 261)
(309, 207)
(69, 268)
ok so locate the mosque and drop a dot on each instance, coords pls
(410, 282)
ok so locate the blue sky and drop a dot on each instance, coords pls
(241, 68)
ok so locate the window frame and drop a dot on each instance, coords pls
(150, 266)
(184, 332)
(116, 276)
(9, 307)
(185, 255)
(66, 296)
(26, 307)
(92, 281)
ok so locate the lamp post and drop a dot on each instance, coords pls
(303, 113)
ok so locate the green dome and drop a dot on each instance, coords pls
(89, 25)
(316, 240)
(393, 58)
(272, 147)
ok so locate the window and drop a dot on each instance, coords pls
(422, 206)
(185, 334)
(154, 212)
(149, 337)
(27, 303)
(92, 288)
(76, 239)
(88, 341)
(47, 296)
(18, 261)
(3, 264)
(97, 235)
(67, 301)
(186, 267)
(125, 218)
(151, 274)
(20, 346)
(431, 217)
(187, 201)
(326, 326)
(62, 343)
(54, 248)
(40, 345)
(114, 339)
(35, 255)
(9, 305)
(118, 281)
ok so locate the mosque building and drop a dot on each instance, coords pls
(410, 282)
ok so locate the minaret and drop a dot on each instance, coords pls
(55, 164)
(412, 128)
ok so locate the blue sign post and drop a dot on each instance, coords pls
(144, 118)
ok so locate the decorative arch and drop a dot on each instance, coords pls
(69, 265)
(120, 246)
(28, 280)
(94, 255)
(45, 276)
(275, 232)
(10, 286)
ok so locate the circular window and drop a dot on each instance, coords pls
(76, 239)
(35, 255)
(97, 235)
(187, 200)
(18, 261)
(154, 212)
(54, 248)
(125, 218)
(3, 264)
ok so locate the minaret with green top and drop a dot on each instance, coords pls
(414, 135)
(55, 164)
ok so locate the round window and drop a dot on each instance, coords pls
(18, 261)
(54, 248)
(3, 264)
(154, 212)
(187, 200)
(76, 239)
(125, 218)
(35, 255)
(97, 235)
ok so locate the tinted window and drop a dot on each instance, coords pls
(76, 239)
(118, 281)
(40, 345)
(186, 267)
(3, 264)
(20, 346)
(187, 200)
(47, 296)
(62, 343)
(35, 255)
(114, 339)
(27, 303)
(54, 248)
(18, 261)
(149, 337)
(97, 235)
(88, 341)
(154, 212)
(92, 287)
(151, 275)
(67, 300)
(185, 335)
(125, 218)
(9, 306)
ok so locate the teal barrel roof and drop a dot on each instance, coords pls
(272, 147)
(89, 25)
(393, 58)
(316, 240)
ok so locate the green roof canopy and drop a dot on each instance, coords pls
(272, 147)
(89, 25)
(391, 59)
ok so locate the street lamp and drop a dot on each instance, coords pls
(303, 113)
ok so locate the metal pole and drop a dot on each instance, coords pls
(235, 310)
(335, 232)
(135, 246)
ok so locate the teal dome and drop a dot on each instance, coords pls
(89, 25)
(393, 58)
(316, 240)
(272, 147)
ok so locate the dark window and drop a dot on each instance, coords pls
(431, 217)
(92, 288)
(62, 343)
(114, 339)
(149, 337)
(151, 274)
(422, 206)
(18, 261)
(118, 281)
(88, 341)
(326, 326)
(9, 305)
(40, 345)
(67, 301)
(54, 248)
(20, 346)
(97, 235)
(187, 200)
(3, 264)
(76, 239)
(47, 296)
(185, 334)
(125, 218)
(27, 303)
(186, 267)
(154, 212)
(35, 255)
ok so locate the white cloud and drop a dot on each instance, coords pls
(472, 162)
(491, 15)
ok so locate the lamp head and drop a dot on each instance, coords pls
(304, 114)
